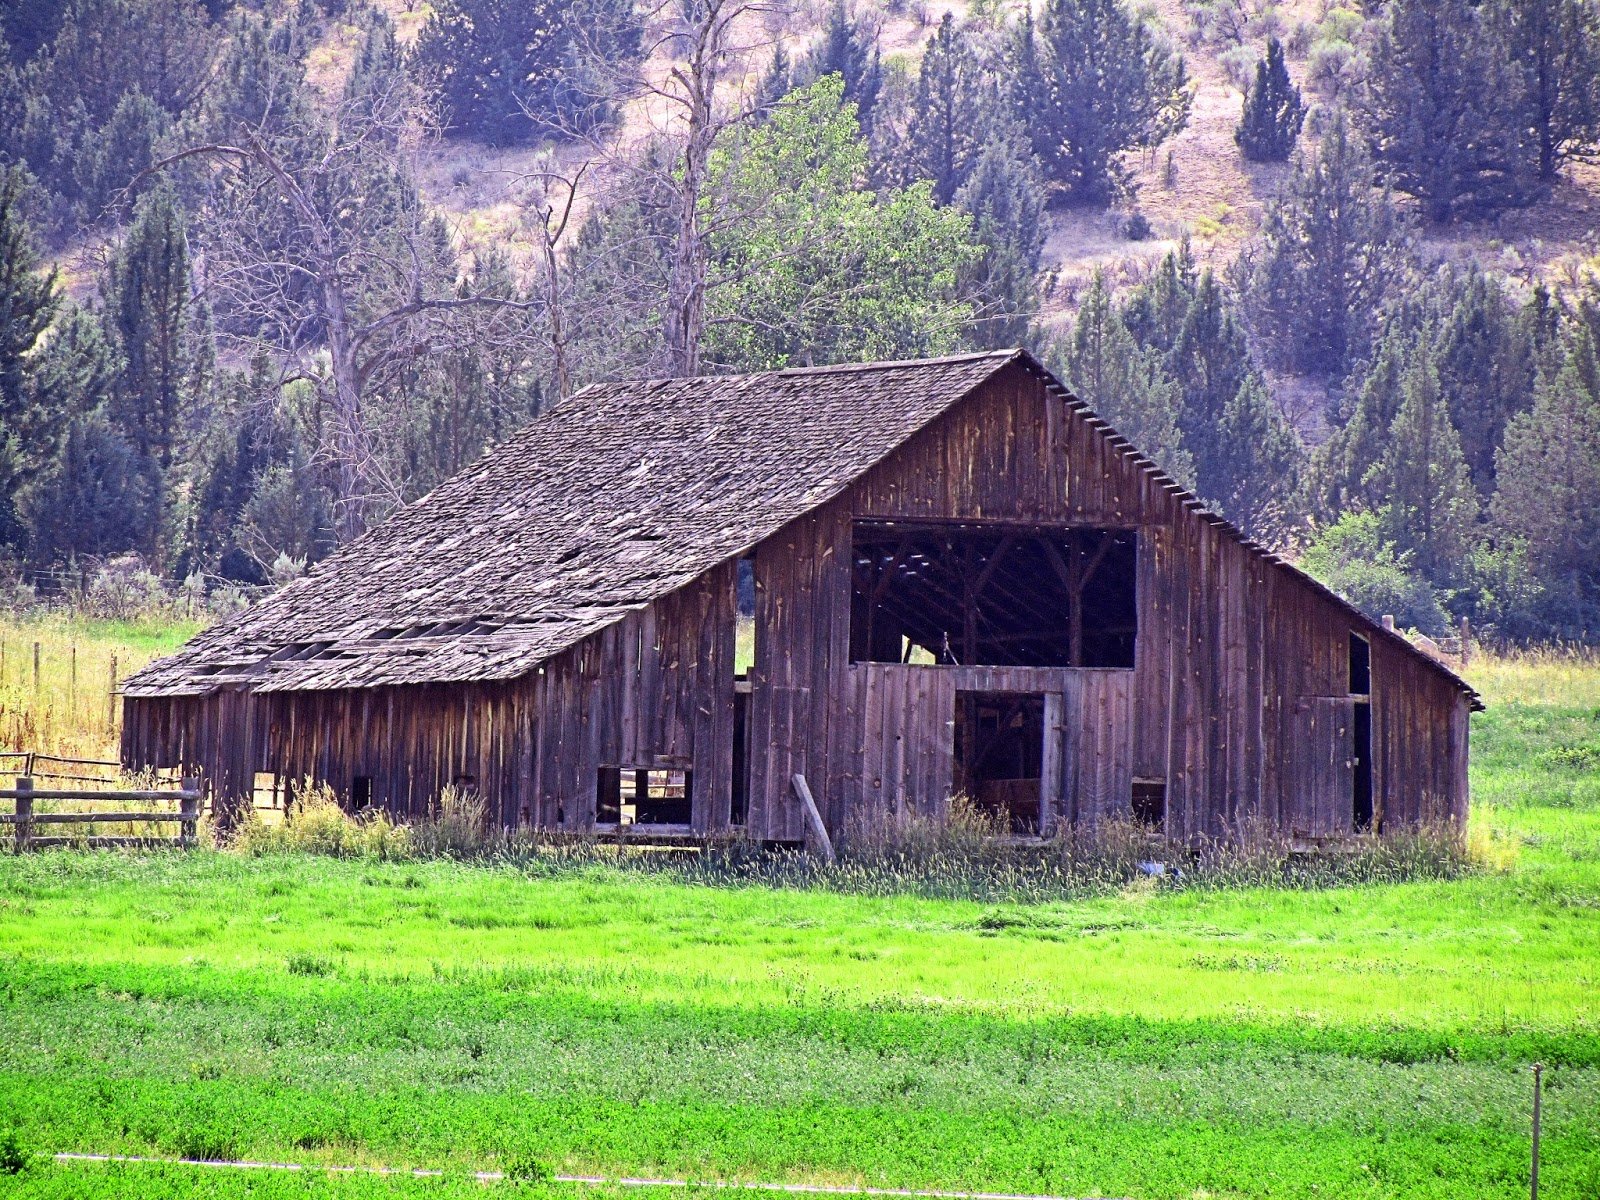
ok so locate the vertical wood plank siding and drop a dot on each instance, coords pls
(1237, 700)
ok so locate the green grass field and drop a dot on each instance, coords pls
(1365, 1041)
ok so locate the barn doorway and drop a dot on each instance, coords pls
(1362, 812)
(999, 757)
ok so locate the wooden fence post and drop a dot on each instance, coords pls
(111, 696)
(36, 668)
(190, 808)
(72, 683)
(24, 824)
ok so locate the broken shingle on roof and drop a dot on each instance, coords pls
(618, 495)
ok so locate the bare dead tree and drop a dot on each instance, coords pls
(709, 46)
(316, 246)
(553, 187)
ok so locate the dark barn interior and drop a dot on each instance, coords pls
(680, 608)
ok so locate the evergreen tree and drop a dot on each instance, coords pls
(1092, 81)
(149, 311)
(1486, 368)
(1340, 476)
(1246, 456)
(1429, 505)
(1155, 311)
(1255, 459)
(1555, 44)
(1549, 494)
(949, 118)
(72, 374)
(1005, 200)
(28, 297)
(1273, 110)
(1330, 246)
(1124, 382)
(513, 71)
(847, 48)
(97, 498)
(1445, 109)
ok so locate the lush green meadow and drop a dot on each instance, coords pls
(1150, 1042)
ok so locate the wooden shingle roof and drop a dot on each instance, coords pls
(619, 495)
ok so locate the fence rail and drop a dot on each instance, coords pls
(26, 818)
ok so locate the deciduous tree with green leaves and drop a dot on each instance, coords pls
(810, 266)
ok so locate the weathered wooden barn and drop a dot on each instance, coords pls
(661, 601)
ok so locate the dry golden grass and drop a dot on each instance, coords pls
(67, 707)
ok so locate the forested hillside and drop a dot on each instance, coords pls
(268, 270)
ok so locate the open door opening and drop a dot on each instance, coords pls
(1361, 806)
(1361, 786)
(999, 756)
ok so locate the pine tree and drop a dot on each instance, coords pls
(1445, 110)
(1429, 505)
(1486, 368)
(949, 117)
(847, 48)
(1329, 248)
(1005, 200)
(1124, 382)
(149, 311)
(1549, 476)
(1091, 81)
(28, 297)
(1555, 44)
(1273, 110)
(512, 71)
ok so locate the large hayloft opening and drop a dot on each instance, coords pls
(976, 595)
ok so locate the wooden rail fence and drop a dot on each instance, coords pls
(25, 818)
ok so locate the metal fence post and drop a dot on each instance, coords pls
(24, 825)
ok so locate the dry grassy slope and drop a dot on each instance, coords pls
(1208, 193)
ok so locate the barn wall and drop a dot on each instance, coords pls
(1239, 695)
(1237, 700)
(653, 690)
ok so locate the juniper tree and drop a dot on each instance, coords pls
(1124, 382)
(1089, 82)
(1430, 507)
(847, 48)
(1549, 493)
(1554, 45)
(1273, 110)
(149, 310)
(1329, 248)
(512, 71)
(1444, 107)
(28, 296)
(1487, 365)
(1004, 198)
(948, 119)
